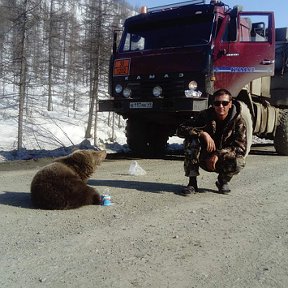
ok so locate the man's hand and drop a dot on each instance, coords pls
(211, 147)
(211, 163)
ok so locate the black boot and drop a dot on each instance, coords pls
(193, 183)
(222, 184)
(191, 188)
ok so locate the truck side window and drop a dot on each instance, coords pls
(253, 28)
(133, 42)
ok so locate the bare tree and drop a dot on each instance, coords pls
(21, 18)
(23, 70)
(93, 21)
(99, 18)
(47, 44)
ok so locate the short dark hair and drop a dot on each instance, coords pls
(221, 92)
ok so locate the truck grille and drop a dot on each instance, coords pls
(171, 88)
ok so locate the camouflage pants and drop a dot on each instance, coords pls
(196, 155)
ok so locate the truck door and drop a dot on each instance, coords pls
(244, 50)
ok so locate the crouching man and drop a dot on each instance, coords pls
(216, 141)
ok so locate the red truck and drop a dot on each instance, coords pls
(170, 59)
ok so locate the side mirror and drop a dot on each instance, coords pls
(115, 35)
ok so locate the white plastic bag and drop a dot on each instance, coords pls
(135, 169)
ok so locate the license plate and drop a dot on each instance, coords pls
(141, 105)
(199, 105)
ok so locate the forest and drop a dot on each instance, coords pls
(56, 52)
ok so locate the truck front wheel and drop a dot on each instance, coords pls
(136, 134)
(157, 141)
(281, 135)
(145, 139)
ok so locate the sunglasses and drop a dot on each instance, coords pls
(218, 103)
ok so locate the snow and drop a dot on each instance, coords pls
(58, 132)
(52, 135)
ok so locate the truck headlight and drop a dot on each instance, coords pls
(118, 88)
(157, 91)
(192, 91)
(192, 85)
(127, 92)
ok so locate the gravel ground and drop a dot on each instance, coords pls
(150, 237)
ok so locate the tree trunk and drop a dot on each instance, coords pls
(94, 85)
(50, 68)
(22, 80)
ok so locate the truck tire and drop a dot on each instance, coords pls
(137, 137)
(157, 141)
(146, 140)
(281, 135)
(246, 115)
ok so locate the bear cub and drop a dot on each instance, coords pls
(62, 184)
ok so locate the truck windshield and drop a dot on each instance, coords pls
(169, 33)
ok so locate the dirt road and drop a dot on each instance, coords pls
(150, 237)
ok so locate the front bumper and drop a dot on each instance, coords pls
(127, 106)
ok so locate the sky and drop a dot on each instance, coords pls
(279, 7)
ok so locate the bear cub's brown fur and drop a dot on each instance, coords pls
(62, 184)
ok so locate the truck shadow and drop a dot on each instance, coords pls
(263, 149)
(151, 187)
(16, 199)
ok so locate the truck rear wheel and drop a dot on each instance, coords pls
(281, 135)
